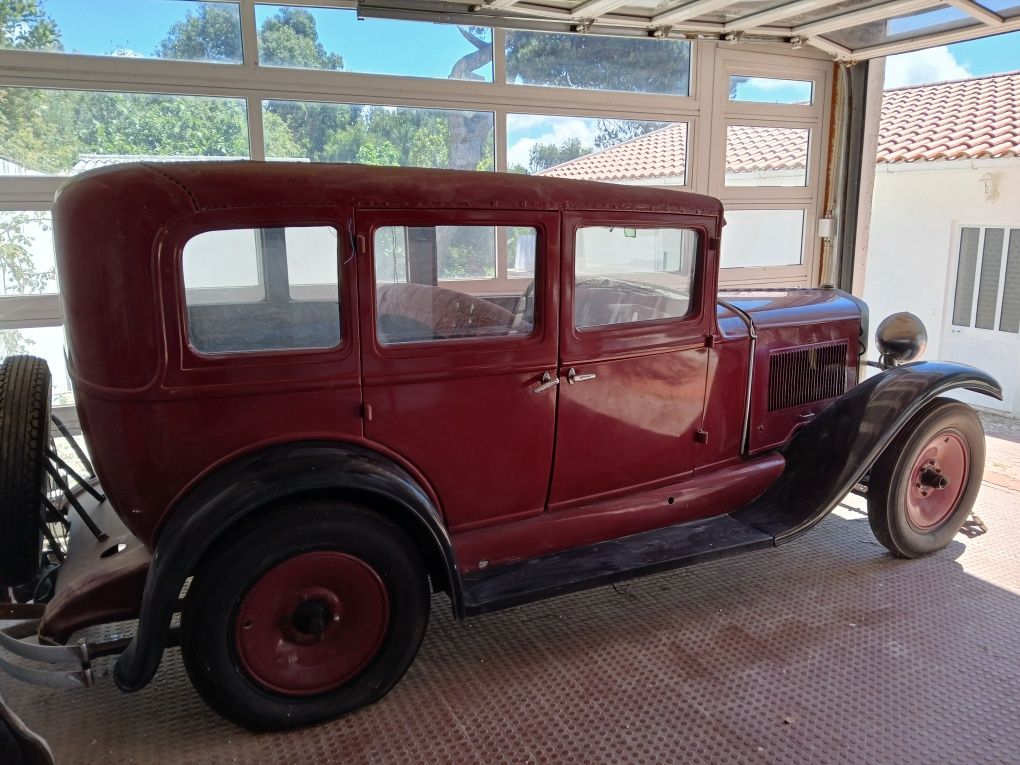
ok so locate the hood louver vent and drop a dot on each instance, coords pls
(802, 375)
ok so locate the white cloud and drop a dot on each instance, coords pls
(922, 67)
(556, 130)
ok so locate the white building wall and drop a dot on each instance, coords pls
(915, 217)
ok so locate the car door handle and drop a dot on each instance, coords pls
(574, 377)
(548, 381)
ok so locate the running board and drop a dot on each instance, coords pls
(612, 561)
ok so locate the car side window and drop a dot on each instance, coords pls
(262, 289)
(624, 275)
(437, 283)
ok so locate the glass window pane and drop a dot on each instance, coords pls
(47, 343)
(1005, 8)
(591, 62)
(182, 30)
(766, 156)
(624, 275)
(334, 38)
(755, 238)
(965, 273)
(988, 281)
(378, 135)
(905, 27)
(423, 291)
(598, 149)
(239, 296)
(770, 90)
(26, 253)
(1009, 316)
(60, 132)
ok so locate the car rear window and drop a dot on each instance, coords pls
(624, 275)
(262, 289)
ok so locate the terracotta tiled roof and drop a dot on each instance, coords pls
(977, 118)
(964, 119)
(661, 154)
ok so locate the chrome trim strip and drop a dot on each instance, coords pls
(51, 678)
(745, 438)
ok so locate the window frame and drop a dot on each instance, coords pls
(191, 368)
(696, 267)
(701, 109)
(610, 340)
(545, 224)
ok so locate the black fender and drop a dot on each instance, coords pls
(255, 481)
(828, 456)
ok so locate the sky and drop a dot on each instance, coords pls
(975, 58)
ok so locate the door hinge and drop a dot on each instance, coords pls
(701, 436)
(710, 341)
(361, 244)
(714, 243)
(366, 412)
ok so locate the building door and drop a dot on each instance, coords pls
(984, 309)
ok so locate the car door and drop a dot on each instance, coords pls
(635, 320)
(459, 332)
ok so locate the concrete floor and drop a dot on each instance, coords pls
(825, 650)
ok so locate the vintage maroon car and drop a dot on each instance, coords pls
(316, 394)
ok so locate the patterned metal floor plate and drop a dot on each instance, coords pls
(826, 650)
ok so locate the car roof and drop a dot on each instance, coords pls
(218, 185)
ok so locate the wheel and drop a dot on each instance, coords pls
(24, 433)
(924, 485)
(307, 612)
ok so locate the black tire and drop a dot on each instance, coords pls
(893, 479)
(24, 434)
(209, 621)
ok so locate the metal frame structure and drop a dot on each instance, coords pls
(797, 23)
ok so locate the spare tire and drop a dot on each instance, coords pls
(24, 434)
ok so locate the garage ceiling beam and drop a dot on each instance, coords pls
(866, 16)
(689, 11)
(979, 12)
(595, 8)
(833, 49)
(500, 3)
(755, 20)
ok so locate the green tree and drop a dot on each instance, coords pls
(635, 65)
(17, 269)
(211, 33)
(25, 25)
(544, 155)
(290, 38)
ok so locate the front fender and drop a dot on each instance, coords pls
(826, 458)
(252, 482)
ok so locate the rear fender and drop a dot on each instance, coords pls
(257, 481)
(827, 457)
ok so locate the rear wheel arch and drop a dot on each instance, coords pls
(250, 487)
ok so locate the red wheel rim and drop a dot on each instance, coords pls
(312, 623)
(937, 481)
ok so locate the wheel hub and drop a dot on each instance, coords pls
(937, 480)
(311, 623)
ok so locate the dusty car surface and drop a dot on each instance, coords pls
(316, 394)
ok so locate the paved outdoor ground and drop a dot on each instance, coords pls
(825, 650)
(1002, 463)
